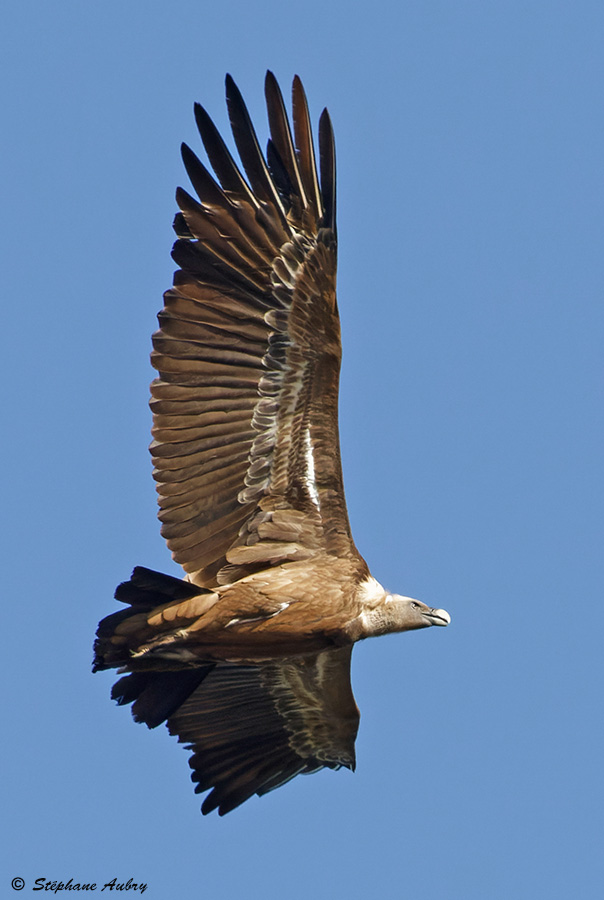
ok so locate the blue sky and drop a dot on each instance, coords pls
(471, 209)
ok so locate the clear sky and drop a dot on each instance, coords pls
(471, 210)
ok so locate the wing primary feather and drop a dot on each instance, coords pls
(282, 137)
(304, 145)
(205, 186)
(327, 152)
(249, 149)
(222, 162)
(280, 176)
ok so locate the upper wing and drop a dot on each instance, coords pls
(253, 728)
(246, 448)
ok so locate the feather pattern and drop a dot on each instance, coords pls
(252, 317)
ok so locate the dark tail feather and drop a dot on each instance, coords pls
(145, 591)
(148, 588)
(154, 695)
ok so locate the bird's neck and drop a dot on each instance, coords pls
(380, 612)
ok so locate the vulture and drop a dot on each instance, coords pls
(247, 658)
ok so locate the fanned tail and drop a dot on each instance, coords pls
(145, 591)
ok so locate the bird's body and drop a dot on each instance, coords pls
(289, 610)
(248, 658)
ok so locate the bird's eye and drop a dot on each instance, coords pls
(415, 605)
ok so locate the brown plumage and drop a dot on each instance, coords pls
(248, 658)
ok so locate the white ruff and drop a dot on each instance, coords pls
(372, 594)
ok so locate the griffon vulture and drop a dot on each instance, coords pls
(248, 658)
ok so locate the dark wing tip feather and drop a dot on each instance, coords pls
(327, 155)
(279, 175)
(249, 148)
(222, 162)
(282, 139)
(204, 184)
(305, 151)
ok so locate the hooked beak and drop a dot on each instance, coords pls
(437, 617)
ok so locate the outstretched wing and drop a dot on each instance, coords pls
(246, 448)
(252, 728)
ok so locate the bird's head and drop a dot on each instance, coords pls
(410, 614)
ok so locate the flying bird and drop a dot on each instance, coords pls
(247, 659)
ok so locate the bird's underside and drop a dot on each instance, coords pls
(248, 658)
